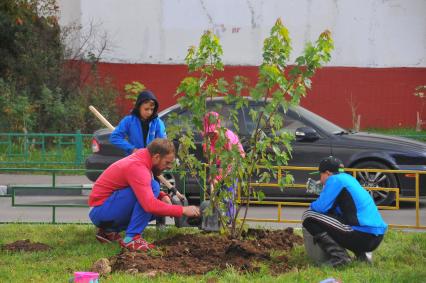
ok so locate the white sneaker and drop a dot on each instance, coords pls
(366, 257)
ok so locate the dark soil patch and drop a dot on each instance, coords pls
(200, 253)
(25, 246)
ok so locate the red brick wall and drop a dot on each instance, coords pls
(383, 96)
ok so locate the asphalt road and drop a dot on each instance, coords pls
(8, 213)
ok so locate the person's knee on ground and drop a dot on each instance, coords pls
(313, 250)
(338, 255)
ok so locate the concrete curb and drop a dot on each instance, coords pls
(3, 190)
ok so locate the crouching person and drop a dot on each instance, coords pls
(343, 217)
(126, 196)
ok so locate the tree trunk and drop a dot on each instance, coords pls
(419, 123)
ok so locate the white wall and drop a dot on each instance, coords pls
(367, 33)
(70, 15)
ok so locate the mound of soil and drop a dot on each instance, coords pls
(200, 253)
(25, 246)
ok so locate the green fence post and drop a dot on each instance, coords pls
(53, 214)
(54, 179)
(26, 147)
(9, 145)
(78, 148)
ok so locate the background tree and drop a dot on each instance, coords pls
(279, 86)
(133, 89)
(40, 84)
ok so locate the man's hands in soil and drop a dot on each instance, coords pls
(191, 211)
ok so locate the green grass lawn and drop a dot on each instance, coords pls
(400, 258)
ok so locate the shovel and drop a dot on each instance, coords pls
(209, 222)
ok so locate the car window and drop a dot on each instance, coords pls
(290, 123)
(247, 124)
(317, 120)
(224, 111)
(297, 117)
(176, 122)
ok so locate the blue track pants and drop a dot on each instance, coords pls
(122, 211)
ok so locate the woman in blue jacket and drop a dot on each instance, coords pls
(344, 216)
(141, 127)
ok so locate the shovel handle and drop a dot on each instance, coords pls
(101, 118)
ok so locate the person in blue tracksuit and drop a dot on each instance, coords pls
(344, 216)
(141, 127)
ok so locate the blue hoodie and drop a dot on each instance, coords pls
(130, 127)
(343, 195)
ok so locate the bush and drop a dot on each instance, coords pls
(101, 94)
(40, 89)
(16, 107)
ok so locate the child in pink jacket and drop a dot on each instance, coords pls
(211, 125)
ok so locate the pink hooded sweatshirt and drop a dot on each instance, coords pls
(211, 126)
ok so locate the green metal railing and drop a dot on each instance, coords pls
(12, 190)
(281, 204)
(53, 206)
(44, 148)
(53, 186)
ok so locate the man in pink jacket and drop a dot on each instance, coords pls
(126, 196)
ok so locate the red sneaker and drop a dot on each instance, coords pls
(137, 244)
(107, 237)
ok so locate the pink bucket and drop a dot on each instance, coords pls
(86, 277)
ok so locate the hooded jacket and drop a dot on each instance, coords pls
(130, 127)
(211, 124)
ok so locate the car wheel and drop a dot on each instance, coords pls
(376, 180)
